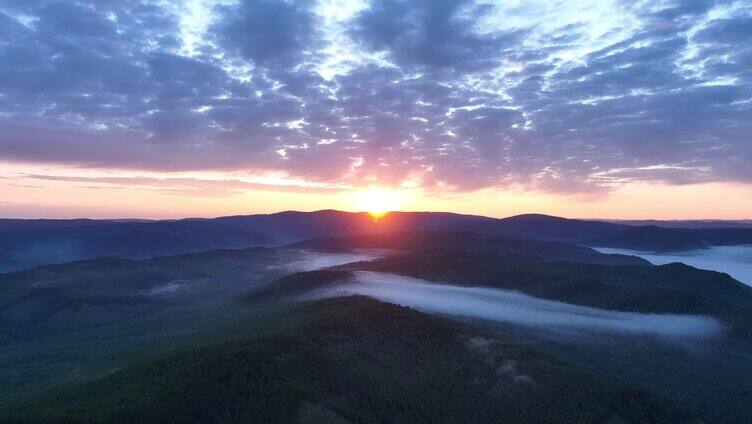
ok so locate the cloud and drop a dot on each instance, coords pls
(267, 31)
(453, 94)
(431, 34)
(185, 186)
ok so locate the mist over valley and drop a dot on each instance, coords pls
(517, 308)
(733, 260)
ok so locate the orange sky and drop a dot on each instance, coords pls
(576, 108)
(25, 194)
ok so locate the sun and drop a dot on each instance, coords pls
(377, 201)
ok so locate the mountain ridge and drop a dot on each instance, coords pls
(28, 243)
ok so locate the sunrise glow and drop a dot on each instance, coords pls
(485, 107)
(377, 201)
(461, 176)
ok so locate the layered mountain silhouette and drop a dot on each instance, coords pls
(27, 243)
(244, 334)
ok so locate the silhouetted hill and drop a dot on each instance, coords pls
(722, 236)
(49, 224)
(687, 223)
(652, 238)
(33, 246)
(470, 242)
(544, 227)
(36, 242)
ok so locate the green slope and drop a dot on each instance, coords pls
(672, 288)
(353, 360)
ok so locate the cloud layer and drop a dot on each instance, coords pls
(449, 94)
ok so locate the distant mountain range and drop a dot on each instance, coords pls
(687, 223)
(27, 243)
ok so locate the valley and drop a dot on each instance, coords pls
(80, 333)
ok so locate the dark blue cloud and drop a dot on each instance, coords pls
(267, 31)
(430, 33)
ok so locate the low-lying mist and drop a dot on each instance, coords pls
(309, 260)
(516, 308)
(736, 261)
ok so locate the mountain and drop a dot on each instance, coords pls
(607, 234)
(349, 360)
(651, 237)
(28, 243)
(550, 270)
(689, 223)
(299, 283)
(39, 242)
(231, 333)
(51, 224)
(706, 383)
(543, 227)
(76, 295)
(433, 240)
(722, 236)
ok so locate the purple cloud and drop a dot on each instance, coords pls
(456, 93)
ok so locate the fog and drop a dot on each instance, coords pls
(310, 260)
(517, 308)
(169, 288)
(736, 261)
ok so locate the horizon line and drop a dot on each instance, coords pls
(185, 218)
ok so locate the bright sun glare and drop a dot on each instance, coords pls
(377, 201)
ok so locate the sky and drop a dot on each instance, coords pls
(163, 109)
